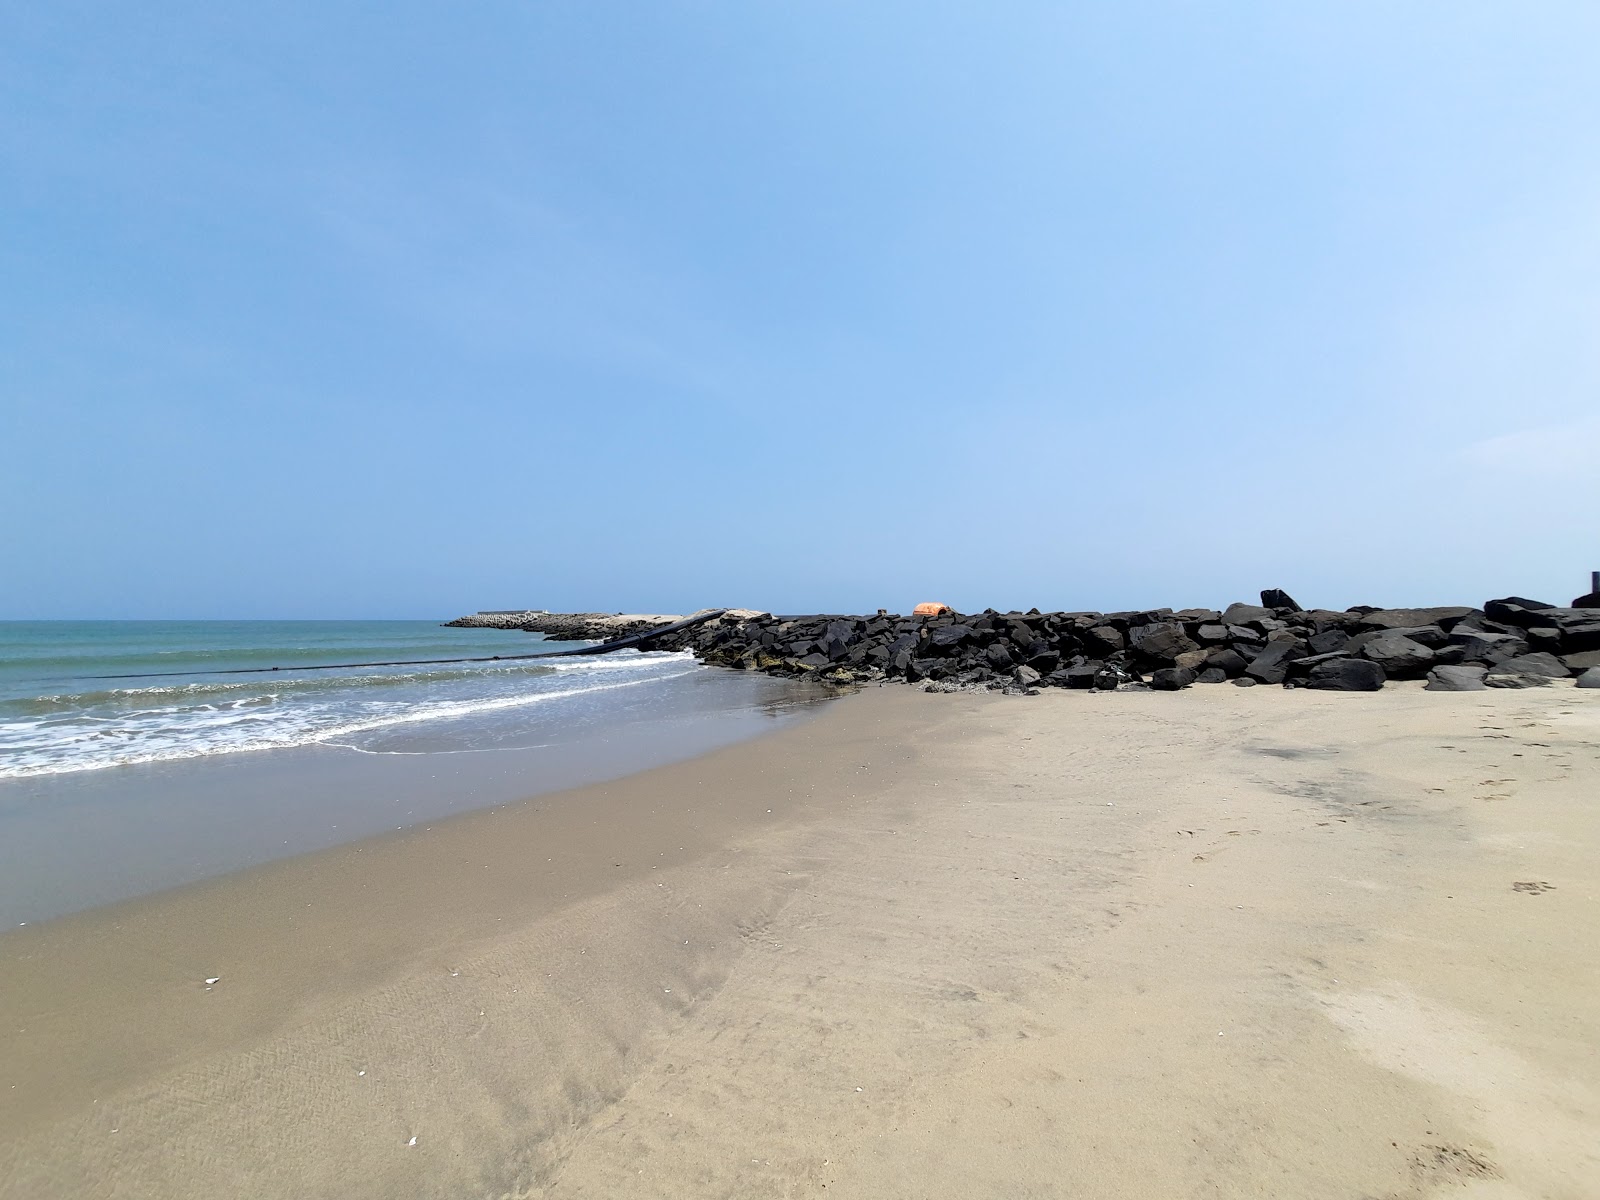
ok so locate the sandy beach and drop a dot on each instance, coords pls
(1219, 943)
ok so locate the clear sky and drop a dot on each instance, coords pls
(359, 310)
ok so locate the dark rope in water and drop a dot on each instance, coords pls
(633, 639)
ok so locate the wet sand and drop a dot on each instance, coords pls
(1220, 943)
(83, 839)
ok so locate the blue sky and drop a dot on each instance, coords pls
(334, 310)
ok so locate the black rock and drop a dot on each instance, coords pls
(1103, 639)
(1547, 665)
(1346, 675)
(1277, 598)
(1247, 614)
(1227, 660)
(1321, 619)
(1148, 616)
(998, 655)
(1244, 681)
(1329, 640)
(1516, 681)
(1025, 676)
(1578, 628)
(1171, 679)
(1160, 643)
(1080, 676)
(837, 639)
(1404, 618)
(1399, 656)
(1582, 661)
(950, 636)
(1543, 637)
(1106, 679)
(1272, 664)
(1481, 646)
(1212, 675)
(1466, 678)
(1515, 610)
(1592, 600)
(1045, 660)
(1589, 679)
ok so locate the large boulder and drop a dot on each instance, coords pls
(1589, 679)
(1025, 676)
(1481, 646)
(1278, 598)
(1160, 643)
(1302, 666)
(1515, 610)
(1403, 618)
(1226, 659)
(1582, 661)
(1592, 600)
(1431, 636)
(1247, 614)
(1577, 628)
(1102, 640)
(998, 655)
(1465, 678)
(1322, 619)
(1272, 664)
(1540, 664)
(1346, 675)
(1171, 679)
(1079, 676)
(837, 639)
(1329, 640)
(1515, 681)
(1399, 656)
(950, 636)
(1043, 659)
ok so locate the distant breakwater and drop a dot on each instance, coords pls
(1507, 643)
(566, 627)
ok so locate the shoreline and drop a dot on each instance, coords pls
(76, 839)
(914, 946)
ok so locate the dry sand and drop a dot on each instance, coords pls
(1220, 943)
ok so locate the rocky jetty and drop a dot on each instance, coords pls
(1507, 643)
(566, 627)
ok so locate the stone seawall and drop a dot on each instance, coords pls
(1507, 643)
(566, 627)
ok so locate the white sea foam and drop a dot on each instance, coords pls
(131, 726)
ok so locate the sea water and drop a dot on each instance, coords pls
(136, 755)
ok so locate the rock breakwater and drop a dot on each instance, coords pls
(1510, 643)
(566, 627)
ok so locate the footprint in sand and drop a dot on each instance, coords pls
(1533, 889)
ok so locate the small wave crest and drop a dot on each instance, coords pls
(93, 730)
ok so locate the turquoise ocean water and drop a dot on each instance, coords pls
(114, 787)
(62, 709)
